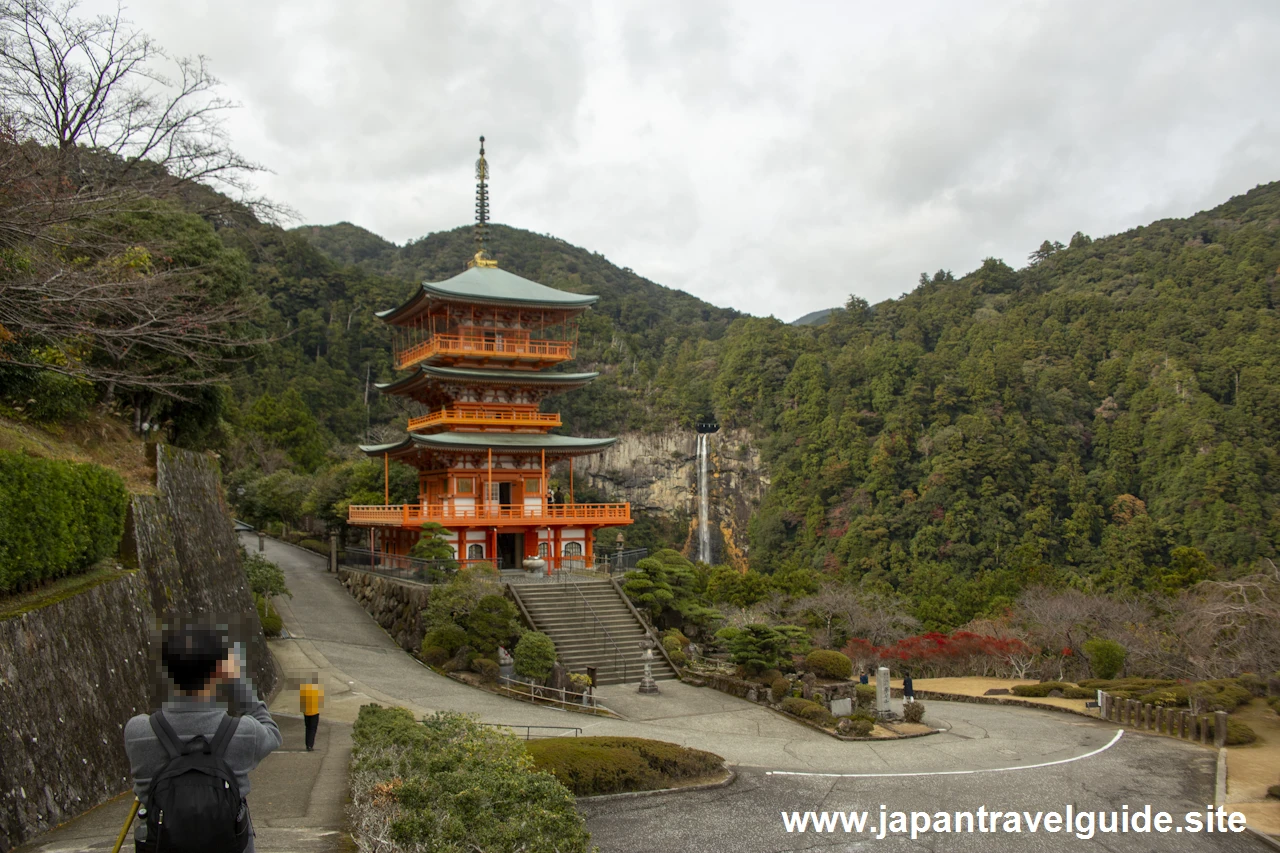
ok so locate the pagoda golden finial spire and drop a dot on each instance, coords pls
(482, 258)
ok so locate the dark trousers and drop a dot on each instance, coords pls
(312, 722)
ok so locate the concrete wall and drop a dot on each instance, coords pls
(72, 673)
(395, 605)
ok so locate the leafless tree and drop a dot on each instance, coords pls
(838, 608)
(79, 299)
(1229, 627)
(99, 85)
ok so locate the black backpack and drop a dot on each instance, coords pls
(194, 804)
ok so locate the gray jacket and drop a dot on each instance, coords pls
(255, 738)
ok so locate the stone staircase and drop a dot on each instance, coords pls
(591, 625)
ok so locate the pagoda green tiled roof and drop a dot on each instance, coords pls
(425, 374)
(560, 445)
(491, 286)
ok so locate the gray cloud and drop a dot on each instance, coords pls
(773, 158)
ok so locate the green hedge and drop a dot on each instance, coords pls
(811, 711)
(588, 766)
(451, 784)
(1041, 690)
(825, 663)
(56, 518)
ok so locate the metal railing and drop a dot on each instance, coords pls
(620, 561)
(529, 730)
(599, 626)
(413, 515)
(516, 348)
(398, 566)
(521, 689)
(480, 416)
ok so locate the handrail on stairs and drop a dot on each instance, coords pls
(648, 629)
(608, 637)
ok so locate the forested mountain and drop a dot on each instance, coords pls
(647, 340)
(1106, 416)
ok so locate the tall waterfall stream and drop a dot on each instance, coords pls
(704, 500)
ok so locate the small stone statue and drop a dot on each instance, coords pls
(648, 686)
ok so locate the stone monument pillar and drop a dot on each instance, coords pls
(882, 692)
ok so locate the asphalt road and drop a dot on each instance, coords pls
(1005, 759)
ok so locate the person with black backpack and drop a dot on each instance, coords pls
(191, 759)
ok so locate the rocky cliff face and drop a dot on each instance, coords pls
(658, 473)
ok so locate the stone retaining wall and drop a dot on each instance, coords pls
(394, 604)
(72, 673)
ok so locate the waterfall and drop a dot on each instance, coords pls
(704, 500)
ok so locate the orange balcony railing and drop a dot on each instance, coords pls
(468, 346)
(481, 418)
(496, 515)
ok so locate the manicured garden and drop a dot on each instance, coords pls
(453, 785)
(591, 766)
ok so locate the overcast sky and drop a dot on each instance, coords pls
(773, 157)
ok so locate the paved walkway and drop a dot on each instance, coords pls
(298, 800)
(998, 757)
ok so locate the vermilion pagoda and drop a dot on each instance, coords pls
(480, 347)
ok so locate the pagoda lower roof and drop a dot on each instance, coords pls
(426, 375)
(490, 286)
(559, 446)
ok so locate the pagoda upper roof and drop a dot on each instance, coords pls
(490, 286)
(427, 375)
(560, 446)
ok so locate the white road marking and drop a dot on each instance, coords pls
(1112, 743)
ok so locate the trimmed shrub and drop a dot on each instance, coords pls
(534, 655)
(1222, 694)
(1274, 792)
(679, 659)
(1040, 690)
(461, 660)
(1138, 685)
(1106, 657)
(780, 688)
(855, 726)
(769, 676)
(811, 711)
(314, 545)
(434, 655)
(913, 712)
(493, 622)
(589, 766)
(1253, 683)
(451, 784)
(677, 635)
(1239, 733)
(487, 669)
(1167, 697)
(671, 645)
(825, 663)
(56, 518)
(1274, 702)
(272, 624)
(448, 637)
(1080, 693)
(865, 694)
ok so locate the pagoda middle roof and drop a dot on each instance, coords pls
(559, 445)
(490, 286)
(425, 375)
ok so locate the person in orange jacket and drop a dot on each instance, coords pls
(310, 700)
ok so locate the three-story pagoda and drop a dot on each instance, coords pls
(481, 350)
